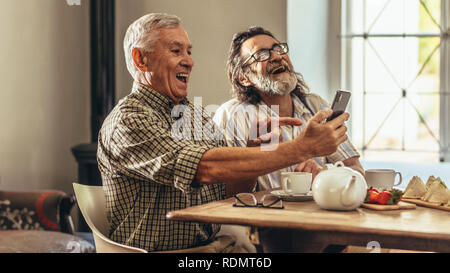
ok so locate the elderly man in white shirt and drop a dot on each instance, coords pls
(266, 86)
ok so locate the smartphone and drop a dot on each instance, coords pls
(339, 104)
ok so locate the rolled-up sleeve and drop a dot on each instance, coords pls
(345, 151)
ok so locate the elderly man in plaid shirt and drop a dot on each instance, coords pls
(148, 169)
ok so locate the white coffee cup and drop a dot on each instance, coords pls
(296, 182)
(382, 178)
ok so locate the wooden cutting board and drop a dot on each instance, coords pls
(426, 204)
(400, 205)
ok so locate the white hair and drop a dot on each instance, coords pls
(141, 34)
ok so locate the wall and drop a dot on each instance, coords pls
(44, 97)
(210, 25)
(312, 30)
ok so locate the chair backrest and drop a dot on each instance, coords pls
(91, 201)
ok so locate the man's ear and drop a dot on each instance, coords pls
(243, 79)
(140, 61)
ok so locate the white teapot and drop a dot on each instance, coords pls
(339, 188)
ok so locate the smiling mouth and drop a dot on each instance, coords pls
(278, 70)
(182, 77)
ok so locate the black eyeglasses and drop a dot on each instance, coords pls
(264, 53)
(249, 200)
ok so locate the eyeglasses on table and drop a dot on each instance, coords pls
(249, 200)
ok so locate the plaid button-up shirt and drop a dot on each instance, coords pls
(147, 170)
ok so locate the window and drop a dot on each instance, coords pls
(396, 62)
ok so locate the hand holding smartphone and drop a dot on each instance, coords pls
(339, 104)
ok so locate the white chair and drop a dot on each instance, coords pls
(91, 201)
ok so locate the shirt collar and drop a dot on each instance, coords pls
(154, 98)
(299, 108)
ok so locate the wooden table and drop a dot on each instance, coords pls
(422, 228)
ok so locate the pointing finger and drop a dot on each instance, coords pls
(283, 121)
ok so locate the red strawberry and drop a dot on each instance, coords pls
(371, 197)
(383, 197)
(373, 189)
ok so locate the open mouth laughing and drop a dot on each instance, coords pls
(183, 77)
(278, 70)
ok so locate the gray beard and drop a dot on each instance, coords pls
(274, 88)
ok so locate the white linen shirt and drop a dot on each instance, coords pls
(237, 120)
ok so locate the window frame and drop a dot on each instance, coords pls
(444, 91)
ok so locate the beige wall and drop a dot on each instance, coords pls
(44, 96)
(210, 25)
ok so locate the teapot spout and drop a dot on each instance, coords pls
(347, 194)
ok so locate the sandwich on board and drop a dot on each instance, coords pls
(435, 191)
(415, 189)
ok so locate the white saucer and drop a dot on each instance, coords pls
(293, 197)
